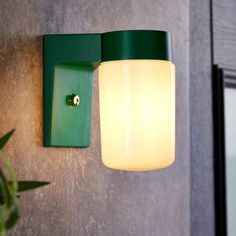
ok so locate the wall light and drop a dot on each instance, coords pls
(136, 95)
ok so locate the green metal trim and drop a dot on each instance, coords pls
(136, 44)
(77, 53)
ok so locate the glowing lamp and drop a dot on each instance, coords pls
(136, 96)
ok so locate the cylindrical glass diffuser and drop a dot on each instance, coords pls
(137, 100)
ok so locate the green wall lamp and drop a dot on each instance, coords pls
(136, 95)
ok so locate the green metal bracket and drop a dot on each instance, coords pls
(69, 61)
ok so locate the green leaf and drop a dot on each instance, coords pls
(5, 138)
(9, 189)
(2, 223)
(9, 206)
(12, 175)
(14, 215)
(5, 189)
(28, 185)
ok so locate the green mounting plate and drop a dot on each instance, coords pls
(69, 61)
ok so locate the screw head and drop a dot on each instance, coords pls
(76, 100)
(73, 100)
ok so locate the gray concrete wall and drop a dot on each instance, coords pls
(201, 122)
(85, 198)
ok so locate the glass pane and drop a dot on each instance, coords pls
(230, 138)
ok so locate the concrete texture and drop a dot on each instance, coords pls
(202, 186)
(224, 31)
(85, 198)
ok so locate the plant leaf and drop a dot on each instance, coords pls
(28, 185)
(5, 187)
(14, 215)
(9, 206)
(5, 138)
(2, 223)
(12, 175)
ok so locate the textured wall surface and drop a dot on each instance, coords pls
(85, 198)
(202, 186)
(224, 31)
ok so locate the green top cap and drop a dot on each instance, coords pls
(136, 44)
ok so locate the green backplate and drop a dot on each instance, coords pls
(69, 61)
